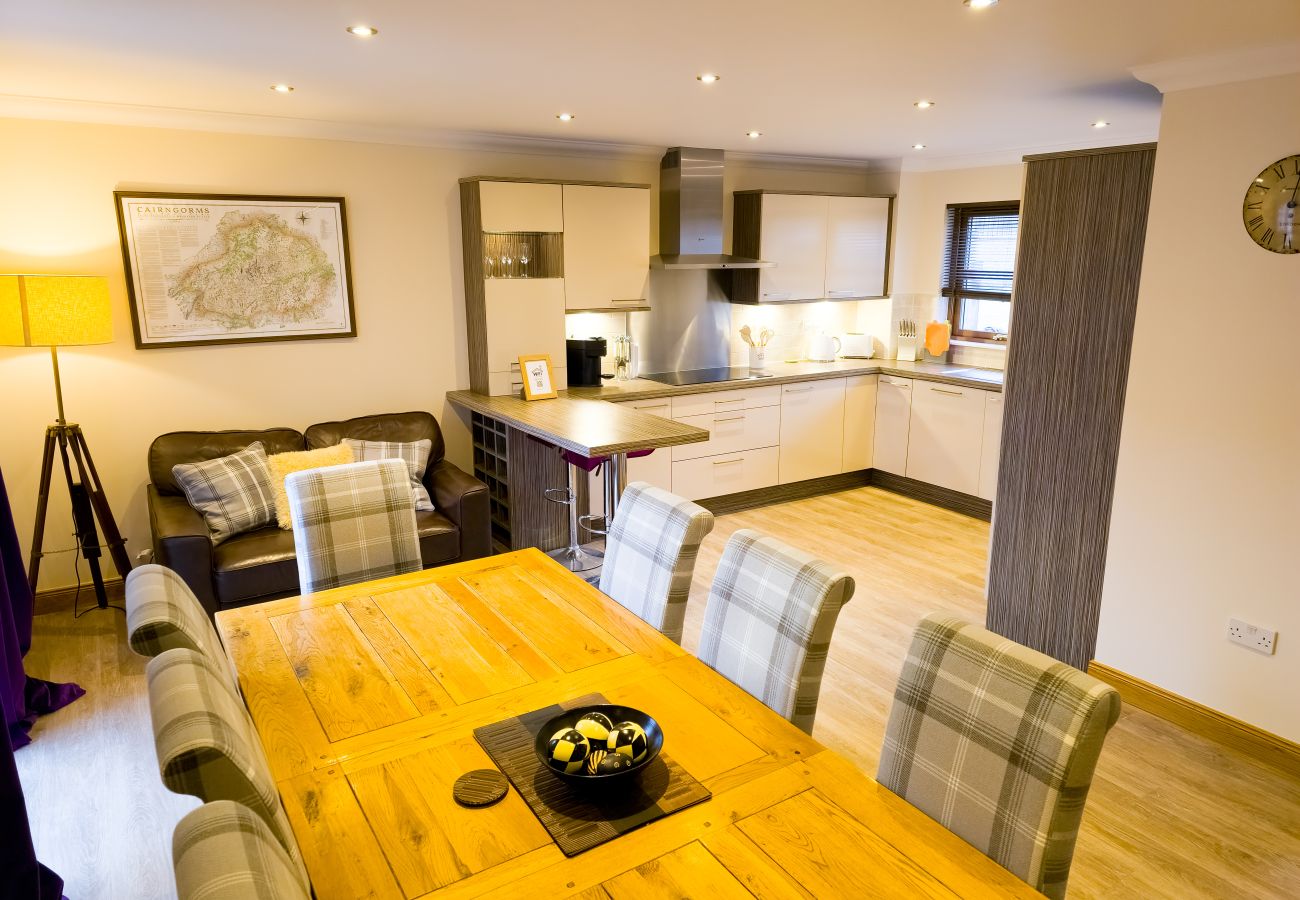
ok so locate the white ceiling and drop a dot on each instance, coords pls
(824, 78)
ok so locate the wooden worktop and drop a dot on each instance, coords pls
(587, 426)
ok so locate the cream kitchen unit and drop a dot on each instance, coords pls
(935, 434)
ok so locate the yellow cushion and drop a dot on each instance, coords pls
(283, 464)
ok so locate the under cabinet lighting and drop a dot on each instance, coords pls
(708, 77)
(362, 31)
(980, 4)
(753, 134)
(1100, 124)
(565, 117)
(923, 104)
(282, 88)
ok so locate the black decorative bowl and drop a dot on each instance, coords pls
(616, 714)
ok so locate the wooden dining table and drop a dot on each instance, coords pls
(366, 698)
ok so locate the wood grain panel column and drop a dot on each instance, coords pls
(1082, 228)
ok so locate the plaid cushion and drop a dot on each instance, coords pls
(223, 851)
(162, 613)
(206, 743)
(998, 743)
(414, 453)
(353, 523)
(233, 492)
(768, 624)
(650, 555)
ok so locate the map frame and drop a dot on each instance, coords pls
(131, 264)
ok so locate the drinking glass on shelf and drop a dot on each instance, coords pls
(506, 263)
(488, 262)
(523, 255)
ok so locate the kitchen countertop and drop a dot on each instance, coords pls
(786, 373)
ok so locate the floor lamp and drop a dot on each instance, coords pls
(59, 311)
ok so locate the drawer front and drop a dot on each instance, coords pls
(719, 401)
(743, 429)
(661, 406)
(730, 473)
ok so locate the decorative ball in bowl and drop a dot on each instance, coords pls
(595, 745)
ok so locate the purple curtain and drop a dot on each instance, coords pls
(22, 699)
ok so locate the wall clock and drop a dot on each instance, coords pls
(1270, 210)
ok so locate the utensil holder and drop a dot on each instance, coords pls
(757, 359)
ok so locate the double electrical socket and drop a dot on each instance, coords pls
(1261, 640)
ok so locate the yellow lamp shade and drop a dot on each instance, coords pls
(54, 310)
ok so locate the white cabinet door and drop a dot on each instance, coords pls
(793, 236)
(732, 431)
(606, 246)
(715, 476)
(521, 206)
(725, 401)
(893, 420)
(812, 430)
(856, 245)
(944, 441)
(525, 316)
(991, 446)
(859, 421)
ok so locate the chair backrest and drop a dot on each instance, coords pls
(997, 743)
(650, 555)
(224, 851)
(353, 523)
(206, 742)
(768, 624)
(162, 613)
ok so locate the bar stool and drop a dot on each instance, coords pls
(576, 557)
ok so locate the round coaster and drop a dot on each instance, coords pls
(482, 787)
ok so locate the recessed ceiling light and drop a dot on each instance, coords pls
(923, 104)
(1100, 124)
(918, 146)
(980, 4)
(565, 117)
(708, 77)
(363, 30)
(753, 134)
(282, 88)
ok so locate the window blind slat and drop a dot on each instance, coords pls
(980, 257)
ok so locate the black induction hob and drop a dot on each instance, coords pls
(706, 376)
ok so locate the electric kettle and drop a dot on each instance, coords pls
(823, 347)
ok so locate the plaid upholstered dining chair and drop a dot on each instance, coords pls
(650, 555)
(353, 523)
(768, 624)
(162, 613)
(206, 743)
(223, 850)
(998, 744)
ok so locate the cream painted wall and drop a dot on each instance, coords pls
(1205, 521)
(56, 215)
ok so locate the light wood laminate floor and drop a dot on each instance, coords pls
(1170, 814)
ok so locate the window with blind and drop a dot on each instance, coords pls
(978, 263)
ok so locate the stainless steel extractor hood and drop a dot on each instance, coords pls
(690, 213)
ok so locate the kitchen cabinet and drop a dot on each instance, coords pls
(606, 246)
(859, 421)
(857, 246)
(945, 437)
(719, 401)
(823, 246)
(731, 431)
(521, 206)
(812, 430)
(714, 476)
(991, 446)
(893, 420)
(656, 469)
(524, 316)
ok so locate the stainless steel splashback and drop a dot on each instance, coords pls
(690, 325)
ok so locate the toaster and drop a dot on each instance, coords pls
(857, 346)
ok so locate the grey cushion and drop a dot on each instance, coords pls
(414, 453)
(997, 743)
(650, 555)
(233, 492)
(224, 851)
(353, 523)
(768, 624)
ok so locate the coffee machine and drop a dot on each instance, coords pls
(583, 356)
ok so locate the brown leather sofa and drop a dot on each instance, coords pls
(261, 565)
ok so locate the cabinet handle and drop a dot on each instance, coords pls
(729, 419)
(776, 295)
(798, 390)
(632, 300)
(648, 408)
(844, 294)
(514, 365)
(727, 462)
(736, 400)
(950, 393)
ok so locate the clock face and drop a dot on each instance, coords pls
(1271, 210)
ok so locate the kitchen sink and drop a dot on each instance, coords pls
(992, 376)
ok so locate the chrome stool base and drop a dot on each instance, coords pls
(577, 559)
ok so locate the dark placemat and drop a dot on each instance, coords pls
(578, 820)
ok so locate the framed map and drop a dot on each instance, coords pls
(232, 268)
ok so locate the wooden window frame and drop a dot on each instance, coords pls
(956, 219)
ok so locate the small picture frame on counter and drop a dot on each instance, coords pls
(536, 372)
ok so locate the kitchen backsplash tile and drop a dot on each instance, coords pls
(795, 323)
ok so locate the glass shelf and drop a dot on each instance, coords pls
(545, 254)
